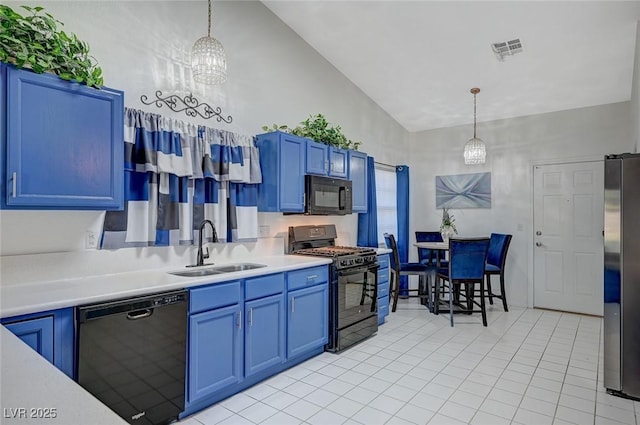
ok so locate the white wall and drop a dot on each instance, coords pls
(274, 77)
(513, 145)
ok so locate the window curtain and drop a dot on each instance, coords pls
(178, 174)
(402, 179)
(368, 222)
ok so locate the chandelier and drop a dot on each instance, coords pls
(208, 60)
(475, 151)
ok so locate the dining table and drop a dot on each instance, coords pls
(434, 246)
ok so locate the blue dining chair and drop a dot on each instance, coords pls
(496, 258)
(427, 256)
(405, 269)
(467, 260)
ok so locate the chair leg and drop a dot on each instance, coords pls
(482, 303)
(436, 296)
(503, 293)
(427, 277)
(451, 302)
(396, 290)
(489, 288)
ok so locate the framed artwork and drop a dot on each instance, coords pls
(464, 191)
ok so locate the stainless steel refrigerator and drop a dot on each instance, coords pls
(622, 275)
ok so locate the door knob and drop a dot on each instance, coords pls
(538, 244)
(538, 233)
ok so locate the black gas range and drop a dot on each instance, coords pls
(353, 285)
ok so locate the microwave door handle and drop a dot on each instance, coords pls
(342, 198)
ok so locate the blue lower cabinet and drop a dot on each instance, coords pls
(50, 333)
(239, 332)
(215, 351)
(37, 334)
(383, 288)
(308, 319)
(264, 333)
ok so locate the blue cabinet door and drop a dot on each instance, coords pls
(215, 351)
(64, 143)
(292, 174)
(50, 333)
(338, 162)
(383, 288)
(37, 334)
(317, 158)
(308, 319)
(358, 177)
(282, 160)
(264, 333)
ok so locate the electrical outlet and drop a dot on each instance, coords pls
(264, 231)
(90, 239)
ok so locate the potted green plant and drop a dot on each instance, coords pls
(35, 41)
(317, 128)
(447, 225)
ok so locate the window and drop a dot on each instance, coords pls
(386, 197)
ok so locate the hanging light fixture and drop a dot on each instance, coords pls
(475, 151)
(208, 60)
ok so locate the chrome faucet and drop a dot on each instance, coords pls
(204, 254)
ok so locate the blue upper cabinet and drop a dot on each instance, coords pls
(282, 159)
(338, 162)
(358, 176)
(63, 143)
(325, 160)
(317, 158)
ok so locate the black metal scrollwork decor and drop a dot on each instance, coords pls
(189, 104)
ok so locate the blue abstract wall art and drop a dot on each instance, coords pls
(464, 191)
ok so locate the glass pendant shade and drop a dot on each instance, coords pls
(475, 151)
(208, 61)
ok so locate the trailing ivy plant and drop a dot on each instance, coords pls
(318, 128)
(35, 41)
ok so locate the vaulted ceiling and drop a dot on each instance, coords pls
(419, 59)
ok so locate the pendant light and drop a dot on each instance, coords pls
(208, 60)
(475, 151)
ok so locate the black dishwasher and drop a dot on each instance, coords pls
(131, 355)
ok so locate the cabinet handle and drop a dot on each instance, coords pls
(250, 317)
(239, 321)
(293, 305)
(312, 277)
(14, 183)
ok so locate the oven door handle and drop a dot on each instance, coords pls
(350, 272)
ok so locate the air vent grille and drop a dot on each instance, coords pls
(506, 48)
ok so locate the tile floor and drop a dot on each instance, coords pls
(527, 367)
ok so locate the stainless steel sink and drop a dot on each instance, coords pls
(196, 272)
(208, 271)
(239, 267)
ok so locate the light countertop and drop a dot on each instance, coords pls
(31, 297)
(33, 391)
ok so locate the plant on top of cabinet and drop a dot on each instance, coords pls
(317, 128)
(34, 41)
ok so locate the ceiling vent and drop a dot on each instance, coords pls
(506, 48)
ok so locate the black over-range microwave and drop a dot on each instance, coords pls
(327, 196)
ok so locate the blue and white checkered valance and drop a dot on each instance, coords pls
(178, 174)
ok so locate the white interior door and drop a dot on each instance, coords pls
(568, 225)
